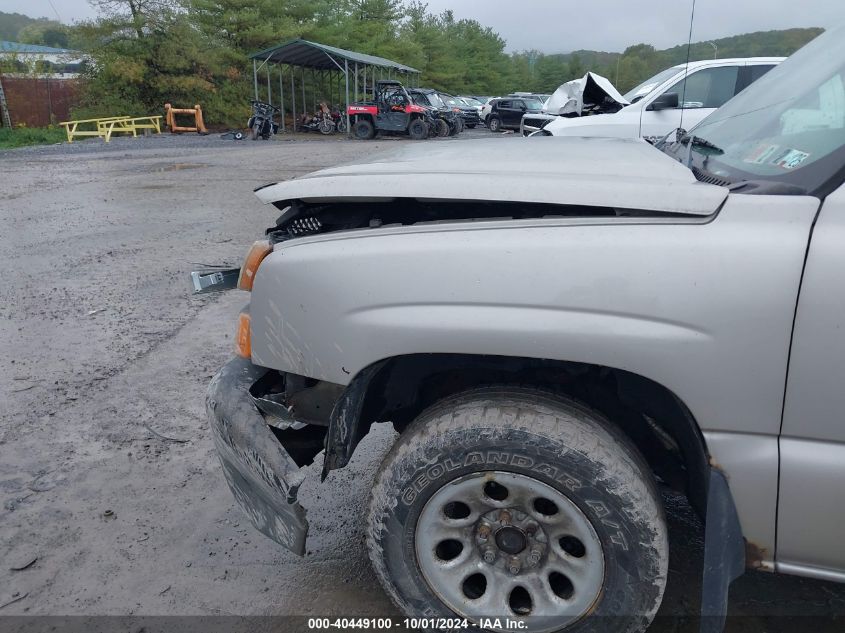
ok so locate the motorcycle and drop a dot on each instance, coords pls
(325, 121)
(339, 120)
(261, 123)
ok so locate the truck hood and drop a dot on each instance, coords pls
(569, 98)
(592, 172)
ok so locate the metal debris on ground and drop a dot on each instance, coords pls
(15, 598)
(24, 566)
(178, 440)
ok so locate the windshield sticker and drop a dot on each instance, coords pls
(761, 154)
(790, 159)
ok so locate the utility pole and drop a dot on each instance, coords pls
(715, 48)
(4, 108)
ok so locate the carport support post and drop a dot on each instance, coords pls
(269, 94)
(282, 97)
(255, 77)
(293, 97)
(356, 82)
(346, 74)
(302, 78)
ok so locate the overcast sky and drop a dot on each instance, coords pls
(556, 26)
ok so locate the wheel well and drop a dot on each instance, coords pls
(658, 423)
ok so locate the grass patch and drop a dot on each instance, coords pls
(22, 136)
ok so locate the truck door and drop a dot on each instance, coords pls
(392, 111)
(811, 508)
(699, 94)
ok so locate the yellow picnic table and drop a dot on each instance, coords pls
(106, 126)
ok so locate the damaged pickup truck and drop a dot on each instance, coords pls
(683, 94)
(555, 338)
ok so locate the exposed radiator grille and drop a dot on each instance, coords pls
(304, 226)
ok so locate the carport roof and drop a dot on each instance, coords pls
(301, 52)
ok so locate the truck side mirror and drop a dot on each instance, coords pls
(664, 102)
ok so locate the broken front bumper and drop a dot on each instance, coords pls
(263, 477)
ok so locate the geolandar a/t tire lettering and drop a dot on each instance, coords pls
(521, 505)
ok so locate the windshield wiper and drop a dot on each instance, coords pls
(690, 140)
(679, 134)
(697, 141)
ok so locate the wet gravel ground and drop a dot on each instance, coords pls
(105, 353)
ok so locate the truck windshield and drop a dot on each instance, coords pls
(533, 104)
(788, 127)
(435, 100)
(648, 86)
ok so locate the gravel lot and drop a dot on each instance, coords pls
(105, 351)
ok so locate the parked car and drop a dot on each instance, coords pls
(469, 111)
(551, 337)
(654, 107)
(507, 113)
(486, 108)
(392, 111)
(450, 115)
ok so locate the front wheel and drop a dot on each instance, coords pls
(363, 129)
(442, 128)
(418, 130)
(326, 126)
(514, 503)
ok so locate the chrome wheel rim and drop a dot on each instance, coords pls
(502, 544)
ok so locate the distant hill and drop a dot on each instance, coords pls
(640, 61)
(758, 44)
(12, 23)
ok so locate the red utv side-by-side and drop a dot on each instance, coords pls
(392, 111)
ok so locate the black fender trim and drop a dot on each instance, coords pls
(724, 553)
(345, 425)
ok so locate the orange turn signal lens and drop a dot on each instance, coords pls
(257, 252)
(243, 339)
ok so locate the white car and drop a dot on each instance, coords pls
(656, 106)
(485, 109)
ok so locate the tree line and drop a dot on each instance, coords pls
(144, 53)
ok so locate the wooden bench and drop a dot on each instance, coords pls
(112, 125)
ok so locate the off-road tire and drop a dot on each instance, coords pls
(553, 440)
(442, 128)
(494, 124)
(363, 129)
(418, 130)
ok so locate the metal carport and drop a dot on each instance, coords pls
(330, 68)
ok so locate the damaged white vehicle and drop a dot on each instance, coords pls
(555, 337)
(591, 105)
